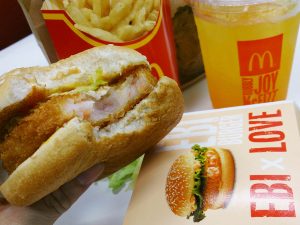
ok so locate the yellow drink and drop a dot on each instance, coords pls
(247, 49)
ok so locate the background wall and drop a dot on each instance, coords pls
(13, 24)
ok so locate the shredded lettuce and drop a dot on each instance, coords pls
(199, 175)
(126, 175)
(95, 81)
(198, 214)
(199, 184)
(92, 83)
(97, 78)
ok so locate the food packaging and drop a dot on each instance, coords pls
(31, 9)
(264, 142)
(146, 26)
(188, 51)
(185, 65)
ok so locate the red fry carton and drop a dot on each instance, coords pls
(259, 167)
(144, 25)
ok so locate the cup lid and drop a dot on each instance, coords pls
(243, 2)
(246, 11)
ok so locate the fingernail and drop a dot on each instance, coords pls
(89, 176)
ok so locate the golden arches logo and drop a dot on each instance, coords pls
(158, 69)
(261, 60)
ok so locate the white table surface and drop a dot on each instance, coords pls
(98, 205)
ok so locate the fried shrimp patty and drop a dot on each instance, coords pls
(99, 107)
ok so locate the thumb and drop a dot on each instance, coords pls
(63, 198)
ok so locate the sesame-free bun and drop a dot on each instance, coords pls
(180, 184)
(79, 143)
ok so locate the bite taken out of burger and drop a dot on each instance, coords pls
(100, 106)
(200, 180)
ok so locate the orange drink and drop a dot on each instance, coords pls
(248, 48)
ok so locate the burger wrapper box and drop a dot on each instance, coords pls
(157, 45)
(265, 144)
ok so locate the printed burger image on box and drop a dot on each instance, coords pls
(230, 166)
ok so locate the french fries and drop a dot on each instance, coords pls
(113, 20)
(98, 33)
(77, 15)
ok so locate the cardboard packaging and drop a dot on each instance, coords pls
(32, 12)
(144, 26)
(172, 46)
(188, 51)
(265, 144)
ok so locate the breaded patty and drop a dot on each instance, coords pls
(33, 130)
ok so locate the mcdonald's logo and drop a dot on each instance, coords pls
(261, 59)
(260, 56)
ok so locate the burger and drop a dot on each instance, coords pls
(100, 106)
(200, 180)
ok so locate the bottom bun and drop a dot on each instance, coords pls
(78, 146)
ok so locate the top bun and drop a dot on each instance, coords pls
(180, 183)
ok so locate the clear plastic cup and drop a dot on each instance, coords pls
(247, 48)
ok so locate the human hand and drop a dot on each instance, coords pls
(49, 209)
